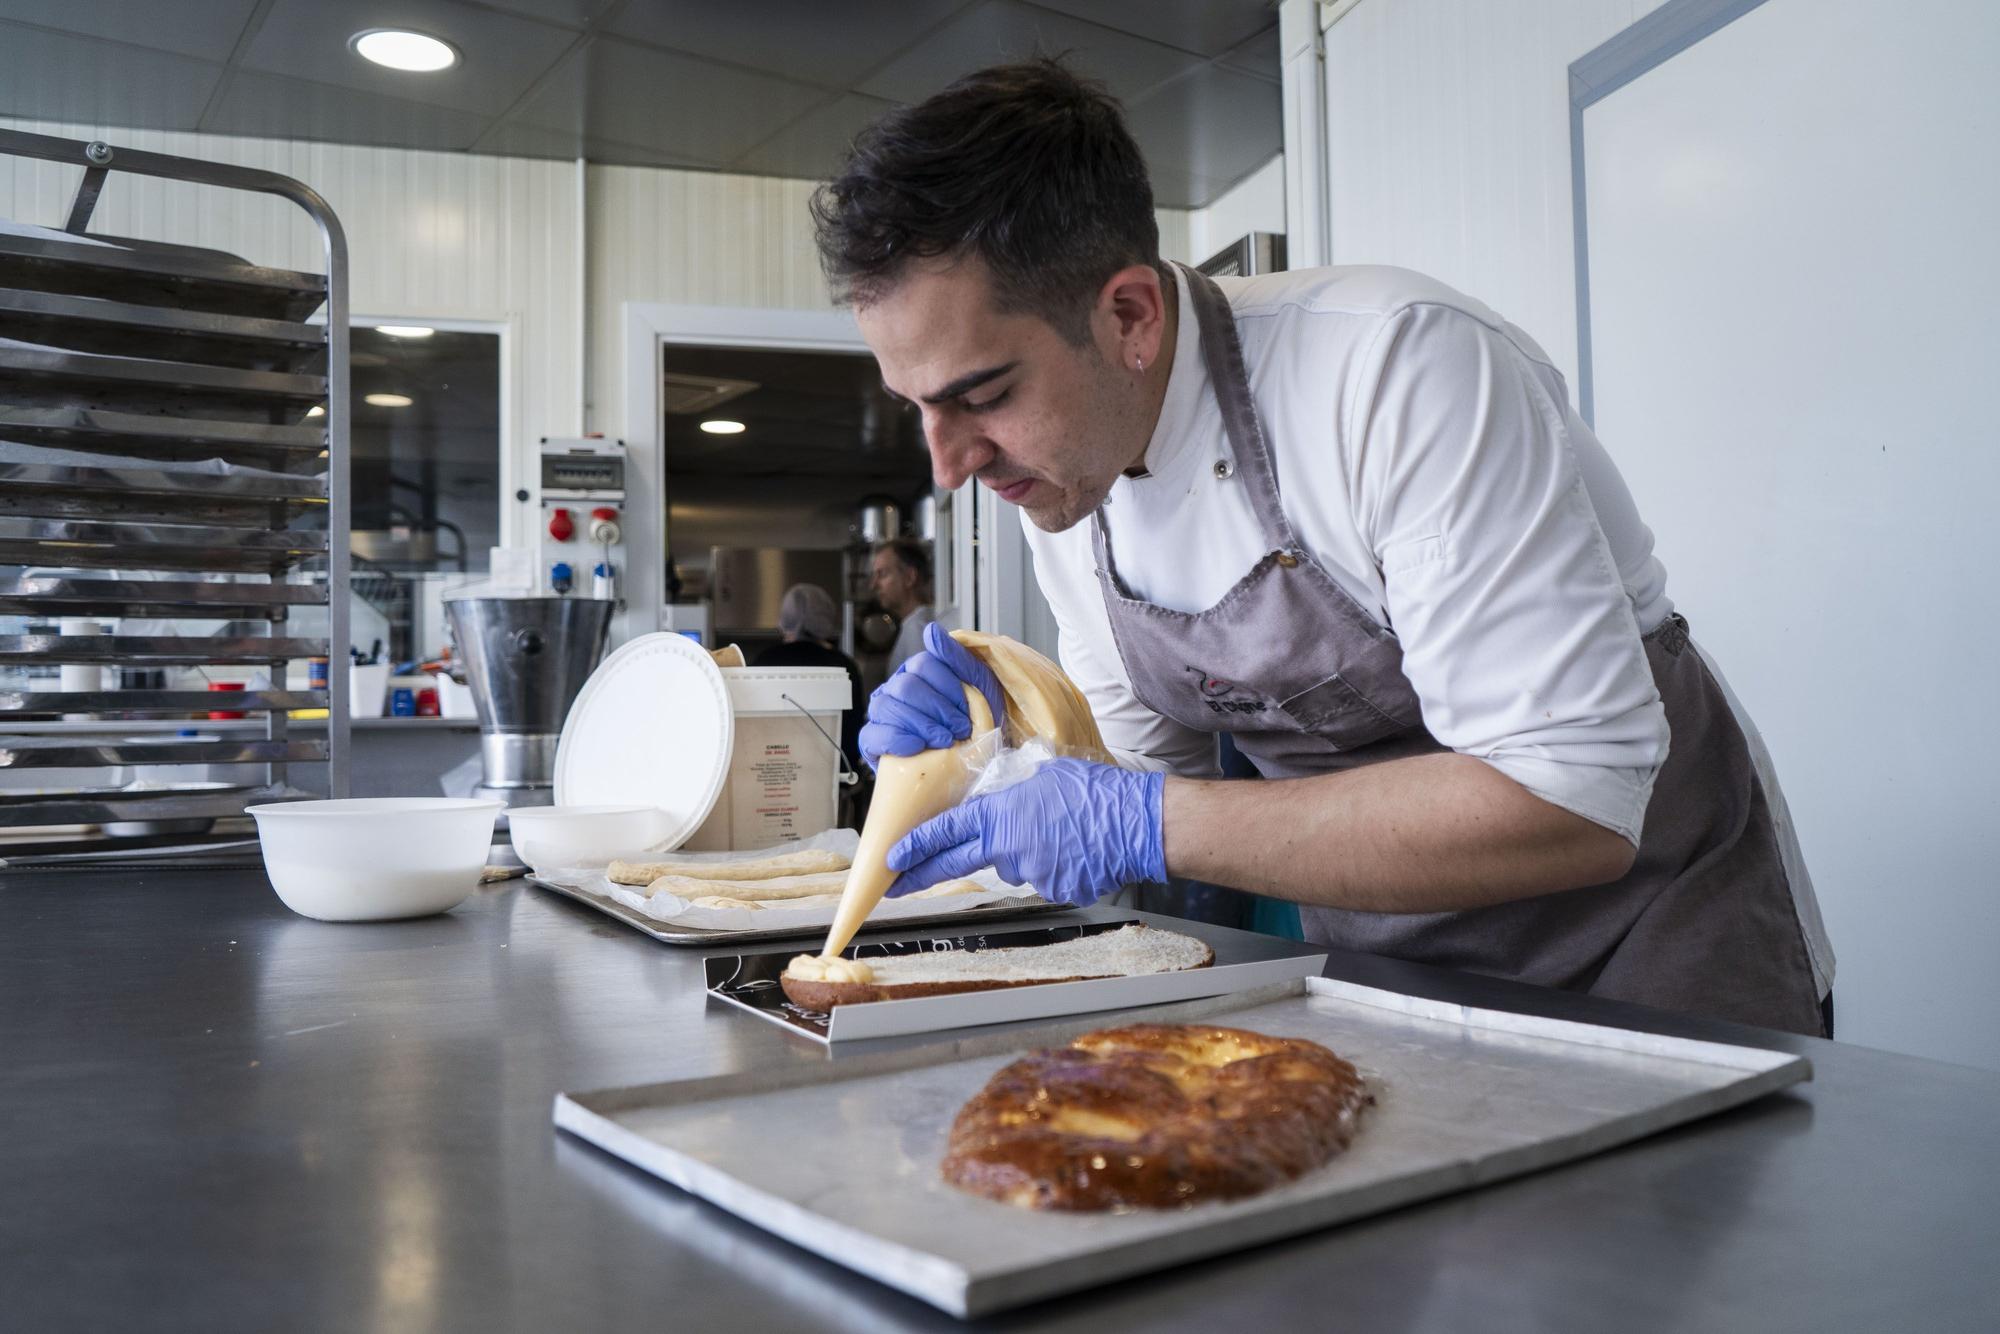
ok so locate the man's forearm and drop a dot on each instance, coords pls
(1434, 833)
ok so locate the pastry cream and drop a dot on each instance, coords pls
(822, 968)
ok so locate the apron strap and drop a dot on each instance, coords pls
(1222, 349)
(1229, 380)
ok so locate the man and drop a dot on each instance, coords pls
(899, 571)
(1346, 516)
(809, 620)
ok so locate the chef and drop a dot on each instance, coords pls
(1346, 517)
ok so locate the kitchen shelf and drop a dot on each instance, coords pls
(174, 413)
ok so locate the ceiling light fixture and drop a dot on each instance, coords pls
(398, 48)
(722, 426)
(405, 330)
(388, 400)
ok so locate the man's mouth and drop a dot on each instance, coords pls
(1011, 492)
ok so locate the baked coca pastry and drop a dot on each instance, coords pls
(1154, 1116)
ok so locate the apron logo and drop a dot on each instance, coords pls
(1213, 688)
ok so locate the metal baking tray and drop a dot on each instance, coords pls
(1244, 961)
(145, 546)
(156, 273)
(841, 1156)
(123, 328)
(18, 705)
(710, 939)
(65, 751)
(149, 435)
(175, 599)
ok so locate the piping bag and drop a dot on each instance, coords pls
(910, 789)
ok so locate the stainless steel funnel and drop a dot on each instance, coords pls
(526, 659)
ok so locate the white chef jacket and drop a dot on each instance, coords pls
(1427, 455)
(1429, 460)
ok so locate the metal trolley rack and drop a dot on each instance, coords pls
(173, 445)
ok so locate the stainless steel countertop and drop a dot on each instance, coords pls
(216, 1115)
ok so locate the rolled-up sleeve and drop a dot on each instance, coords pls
(1517, 632)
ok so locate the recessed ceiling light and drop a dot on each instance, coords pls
(315, 411)
(404, 330)
(398, 48)
(722, 426)
(388, 400)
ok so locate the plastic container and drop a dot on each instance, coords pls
(427, 702)
(368, 859)
(783, 779)
(367, 689)
(550, 838)
(402, 702)
(220, 686)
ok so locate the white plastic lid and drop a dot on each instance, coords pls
(652, 727)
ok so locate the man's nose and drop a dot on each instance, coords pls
(957, 449)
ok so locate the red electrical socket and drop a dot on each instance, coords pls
(561, 526)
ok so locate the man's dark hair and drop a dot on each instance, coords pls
(1027, 166)
(915, 557)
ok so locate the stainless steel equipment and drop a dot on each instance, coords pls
(525, 660)
(746, 585)
(1259, 252)
(173, 446)
(878, 520)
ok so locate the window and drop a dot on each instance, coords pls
(426, 449)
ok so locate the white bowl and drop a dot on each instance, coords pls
(551, 837)
(368, 859)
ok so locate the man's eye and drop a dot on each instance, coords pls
(987, 405)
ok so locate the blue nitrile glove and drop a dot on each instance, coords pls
(922, 706)
(1074, 830)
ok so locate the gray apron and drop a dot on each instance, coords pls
(1306, 682)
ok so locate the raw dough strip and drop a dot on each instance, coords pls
(780, 887)
(805, 861)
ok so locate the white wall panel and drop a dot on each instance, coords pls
(1254, 204)
(430, 236)
(1448, 146)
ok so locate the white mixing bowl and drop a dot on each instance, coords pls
(551, 837)
(368, 859)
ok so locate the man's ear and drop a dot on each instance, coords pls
(1132, 316)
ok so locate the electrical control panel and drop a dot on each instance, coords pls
(582, 519)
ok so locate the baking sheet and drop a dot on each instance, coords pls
(1010, 909)
(750, 982)
(841, 1157)
(669, 918)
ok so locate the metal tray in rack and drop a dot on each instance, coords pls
(121, 328)
(711, 939)
(148, 435)
(19, 705)
(148, 495)
(156, 650)
(105, 805)
(70, 594)
(24, 540)
(155, 273)
(65, 752)
(33, 373)
(842, 1156)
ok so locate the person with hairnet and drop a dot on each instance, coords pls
(809, 619)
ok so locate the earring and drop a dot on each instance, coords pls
(1138, 362)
